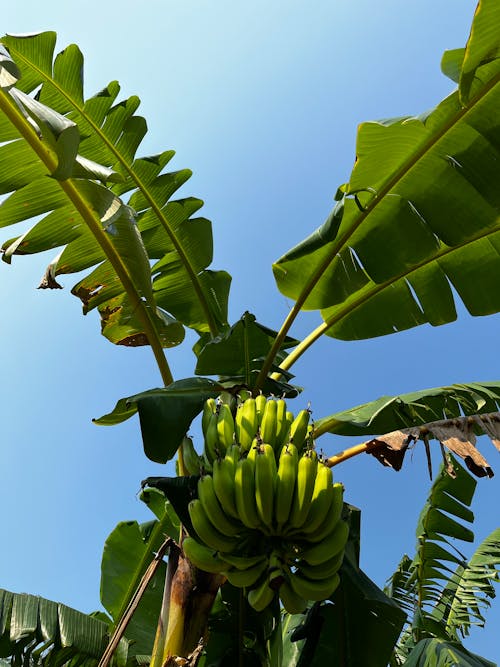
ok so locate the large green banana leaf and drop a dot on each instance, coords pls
(389, 413)
(35, 630)
(158, 276)
(419, 218)
(128, 551)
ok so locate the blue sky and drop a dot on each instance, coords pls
(261, 100)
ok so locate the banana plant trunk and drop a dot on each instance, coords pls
(192, 595)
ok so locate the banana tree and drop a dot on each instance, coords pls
(418, 215)
(443, 592)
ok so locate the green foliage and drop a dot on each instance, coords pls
(165, 414)
(419, 212)
(418, 218)
(443, 593)
(33, 629)
(128, 551)
(90, 140)
(442, 653)
(389, 413)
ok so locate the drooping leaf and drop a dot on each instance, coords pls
(419, 214)
(443, 592)
(128, 551)
(34, 629)
(442, 653)
(165, 414)
(390, 413)
(179, 491)
(239, 351)
(106, 133)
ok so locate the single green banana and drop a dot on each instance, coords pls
(207, 532)
(209, 409)
(285, 484)
(316, 531)
(321, 499)
(260, 405)
(233, 456)
(268, 424)
(304, 487)
(246, 424)
(211, 445)
(289, 421)
(203, 557)
(321, 533)
(193, 463)
(244, 493)
(330, 546)
(323, 570)
(225, 427)
(213, 509)
(254, 449)
(265, 482)
(281, 424)
(242, 562)
(223, 479)
(298, 428)
(248, 577)
(292, 601)
(317, 589)
(261, 597)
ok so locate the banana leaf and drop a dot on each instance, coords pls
(418, 218)
(442, 653)
(443, 592)
(389, 413)
(128, 551)
(148, 255)
(34, 630)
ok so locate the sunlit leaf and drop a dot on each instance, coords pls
(97, 140)
(32, 628)
(419, 216)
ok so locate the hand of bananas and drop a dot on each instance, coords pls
(268, 517)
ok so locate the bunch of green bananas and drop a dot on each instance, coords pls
(268, 420)
(268, 517)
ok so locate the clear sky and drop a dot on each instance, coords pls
(261, 100)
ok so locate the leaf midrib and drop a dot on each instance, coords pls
(368, 293)
(401, 173)
(311, 338)
(140, 185)
(68, 186)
